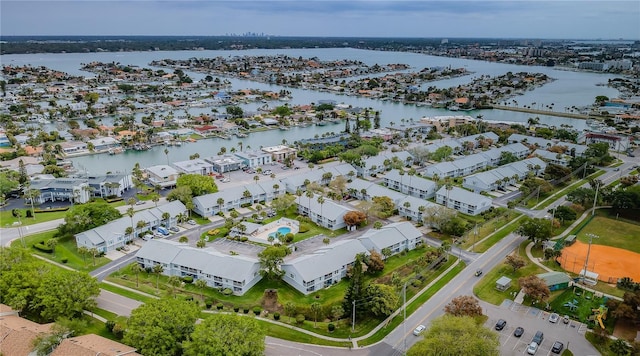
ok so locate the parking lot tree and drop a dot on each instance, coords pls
(535, 229)
(199, 184)
(270, 260)
(464, 305)
(535, 287)
(354, 218)
(160, 326)
(222, 334)
(515, 261)
(457, 335)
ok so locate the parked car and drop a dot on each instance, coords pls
(192, 222)
(532, 348)
(557, 347)
(501, 324)
(518, 332)
(226, 180)
(417, 331)
(565, 319)
(554, 317)
(174, 229)
(140, 202)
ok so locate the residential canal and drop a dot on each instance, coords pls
(569, 89)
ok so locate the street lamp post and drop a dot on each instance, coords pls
(586, 261)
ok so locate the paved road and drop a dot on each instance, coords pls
(116, 303)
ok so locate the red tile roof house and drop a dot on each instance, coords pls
(17, 334)
(206, 129)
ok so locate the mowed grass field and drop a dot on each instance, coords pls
(612, 232)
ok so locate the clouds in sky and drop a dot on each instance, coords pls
(417, 18)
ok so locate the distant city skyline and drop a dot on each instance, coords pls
(569, 19)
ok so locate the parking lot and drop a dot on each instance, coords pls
(532, 320)
(242, 248)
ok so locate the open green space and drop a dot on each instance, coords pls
(486, 289)
(403, 263)
(66, 252)
(612, 232)
(8, 220)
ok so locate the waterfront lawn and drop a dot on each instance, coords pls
(486, 288)
(612, 232)
(65, 249)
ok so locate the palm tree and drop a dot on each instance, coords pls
(167, 218)
(256, 178)
(201, 284)
(94, 251)
(136, 269)
(240, 145)
(315, 309)
(158, 269)
(309, 194)
(155, 198)
(174, 282)
(131, 213)
(321, 202)
(220, 202)
(275, 189)
(166, 152)
(201, 243)
(83, 251)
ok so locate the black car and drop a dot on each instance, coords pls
(518, 332)
(501, 324)
(557, 347)
(478, 273)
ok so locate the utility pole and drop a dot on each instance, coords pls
(595, 199)
(353, 321)
(404, 320)
(586, 261)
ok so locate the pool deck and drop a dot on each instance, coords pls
(262, 235)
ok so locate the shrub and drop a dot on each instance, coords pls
(304, 228)
(40, 246)
(219, 306)
(208, 302)
(244, 239)
(109, 325)
(288, 238)
(29, 213)
(257, 310)
(236, 308)
(187, 279)
(64, 260)
(245, 205)
(300, 318)
(276, 316)
(331, 327)
(227, 291)
(245, 310)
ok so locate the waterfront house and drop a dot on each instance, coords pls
(329, 214)
(397, 237)
(225, 163)
(280, 152)
(254, 158)
(109, 185)
(323, 267)
(463, 200)
(103, 143)
(194, 166)
(60, 189)
(112, 235)
(222, 271)
(162, 175)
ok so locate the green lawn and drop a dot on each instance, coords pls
(65, 249)
(7, 219)
(486, 289)
(497, 236)
(612, 232)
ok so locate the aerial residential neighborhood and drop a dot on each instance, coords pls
(383, 193)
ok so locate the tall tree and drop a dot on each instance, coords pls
(382, 299)
(222, 334)
(515, 261)
(534, 287)
(464, 305)
(535, 229)
(452, 335)
(270, 260)
(355, 290)
(159, 327)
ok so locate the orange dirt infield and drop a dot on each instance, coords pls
(610, 263)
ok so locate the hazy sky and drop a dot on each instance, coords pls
(576, 19)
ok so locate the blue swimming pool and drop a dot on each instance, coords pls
(282, 230)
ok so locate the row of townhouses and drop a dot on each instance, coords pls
(507, 174)
(112, 235)
(307, 273)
